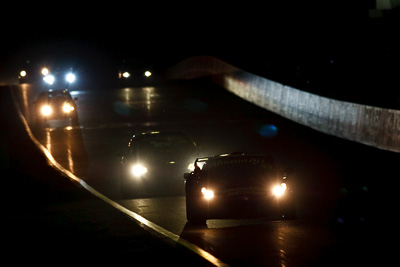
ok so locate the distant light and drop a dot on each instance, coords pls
(49, 79)
(45, 71)
(70, 77)
(22, 73)
(147, 73)
(126, 74)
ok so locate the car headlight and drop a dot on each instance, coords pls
(45, 71)
(190, 167)
(46, 110)
(279, 190)
(49, 79)
(207, 193)
(138, 170)
(147, 73)
(70, 77)
(22, 73)
(126, 75)
(67, 107)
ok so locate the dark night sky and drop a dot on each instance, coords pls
(172, 32)
(271, 40)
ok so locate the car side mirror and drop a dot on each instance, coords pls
(187, 175)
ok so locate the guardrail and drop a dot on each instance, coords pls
(373, 126)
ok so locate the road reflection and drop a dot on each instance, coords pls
(260, 242)
(66, 146)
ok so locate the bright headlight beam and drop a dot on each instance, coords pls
(138, 170)
(279, 190)
(49, 79)
(46, 110)
(45, 71)
(22, 73)
(67, 108)
(70, 77)
(208, 194)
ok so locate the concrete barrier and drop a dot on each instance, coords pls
(373, 126)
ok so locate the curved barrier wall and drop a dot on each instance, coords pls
(369, 125)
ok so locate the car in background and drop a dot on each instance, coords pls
(49, 78)
(237, 185)
(55, 107)
(135, 73)
(59, 79)
(32, 73)
(154, 162)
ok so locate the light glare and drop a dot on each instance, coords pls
(70, 77)
(46, 110)
(278, 190)
(138, 170)
(45, 71)
(49, 79)
(208, 194)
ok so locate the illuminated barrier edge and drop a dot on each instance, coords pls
(373, 126)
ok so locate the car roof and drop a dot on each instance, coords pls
(233, 155)
(149, 133)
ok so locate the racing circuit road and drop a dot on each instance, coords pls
(339, 196)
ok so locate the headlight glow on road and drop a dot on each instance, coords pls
(208, 194)
(138, 170)
(46, 110)
(279, 190)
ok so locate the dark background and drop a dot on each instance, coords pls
(335, 48)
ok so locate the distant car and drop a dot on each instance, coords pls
(237, 185)
(55, 79)
(154, 163)
(59, 79)
(55, 106)
(135, 73)
(32, 73)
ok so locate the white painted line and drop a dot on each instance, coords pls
(149, 225)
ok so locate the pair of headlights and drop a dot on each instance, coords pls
(47, 110)
(277, 190)
(50, 79)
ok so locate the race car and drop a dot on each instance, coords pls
(32, 74)
(56, 107)
(59, 79)
(135, 73)
(154, 162)
(237, 185)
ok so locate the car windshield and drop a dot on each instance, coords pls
(238, 167)
(164, 144)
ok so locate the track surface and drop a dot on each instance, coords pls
(338, 198)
